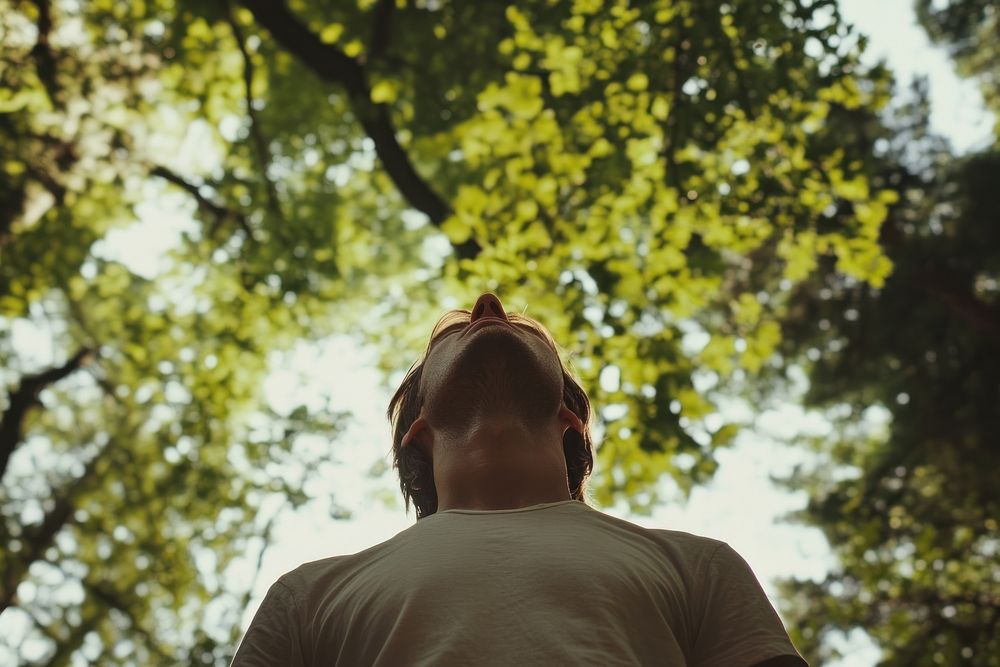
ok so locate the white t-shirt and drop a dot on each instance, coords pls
(552, 584)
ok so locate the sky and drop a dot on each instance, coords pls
(957, 109)
(740, 506)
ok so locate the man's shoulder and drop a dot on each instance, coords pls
(673, 539)
(308, 575)
(303, 576)
(687, 539)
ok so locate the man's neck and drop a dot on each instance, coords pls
(501, 466)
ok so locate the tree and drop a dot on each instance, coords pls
(968, 30)
(636, 173)
(152, 430)
(905, 487)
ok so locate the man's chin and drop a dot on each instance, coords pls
(489, 398)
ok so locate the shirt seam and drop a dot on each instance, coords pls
(715, 551)
(290, 592)
(296, 615)
(543, 506)
(704, 607)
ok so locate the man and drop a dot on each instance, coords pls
(506, 563)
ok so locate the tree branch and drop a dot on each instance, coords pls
(381, 24)
(42, 627)
(66, 647)
(38, 540)
(109, 596)
(35, 545)
(217, 211)
(260, 143)
(266, 535)
(333, 65)
(45, 61)
(25, 397)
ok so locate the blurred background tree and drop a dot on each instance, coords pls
(637, 172)
(968, 30)
(906, 487)
(906, 492)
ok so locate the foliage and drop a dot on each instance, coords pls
(905, 489)
(641, 175)
(635, 174)
(968, 29)
(154, 461)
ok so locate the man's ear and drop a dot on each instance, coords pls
(568, 419)
(419, 435)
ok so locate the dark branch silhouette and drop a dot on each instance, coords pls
(45, 60)
(333, 65)
(219, 212)
(36, 542)
(259, 142)
(381, 25)
(25, 397)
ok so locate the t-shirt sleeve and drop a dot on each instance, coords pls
(273, 637)
(737, 626)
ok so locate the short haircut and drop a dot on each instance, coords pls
(416, 475)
